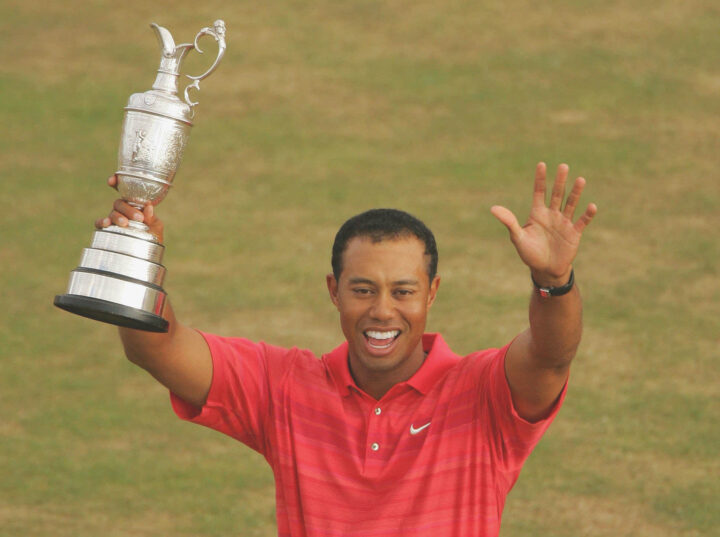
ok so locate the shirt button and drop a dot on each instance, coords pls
(375, 446)
(378, 411)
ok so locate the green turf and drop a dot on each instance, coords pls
(318, 111)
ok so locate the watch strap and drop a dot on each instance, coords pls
(547, 292)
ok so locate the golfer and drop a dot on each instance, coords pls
(391, 433)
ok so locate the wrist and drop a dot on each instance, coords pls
(546, 279)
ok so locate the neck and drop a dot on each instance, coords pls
(377, 383)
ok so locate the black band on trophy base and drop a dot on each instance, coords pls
(112, 313)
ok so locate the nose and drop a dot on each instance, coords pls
(382, 308)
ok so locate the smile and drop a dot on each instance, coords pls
(381, 340)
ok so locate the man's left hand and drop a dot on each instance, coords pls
(549, 241)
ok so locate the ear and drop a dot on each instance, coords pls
(332, 286)
(433, 291)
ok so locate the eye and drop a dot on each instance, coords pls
(404, 292)
(361, 291)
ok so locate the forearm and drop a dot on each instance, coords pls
(145, 349)
(555, 325)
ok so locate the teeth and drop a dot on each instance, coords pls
(382, 335)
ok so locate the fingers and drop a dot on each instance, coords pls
(574, 198)
(123, 211)
(121, 214)
(508, 219)
(558, 195)
(101, 223)
(586, 218)
(558, 192)
(539, 189)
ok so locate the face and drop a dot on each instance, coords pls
(383, 296)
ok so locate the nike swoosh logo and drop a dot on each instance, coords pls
(413, 430)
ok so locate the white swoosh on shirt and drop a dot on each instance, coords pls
(413, 430)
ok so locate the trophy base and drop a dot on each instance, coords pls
(111, 312)
(119, 281)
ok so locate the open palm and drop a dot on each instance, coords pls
(549, 241)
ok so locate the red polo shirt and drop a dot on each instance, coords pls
(436, 456)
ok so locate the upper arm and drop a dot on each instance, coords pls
(187, 369)
(534, 387)
(180, 359)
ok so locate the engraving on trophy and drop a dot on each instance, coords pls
(174, 150)
(119, 279)
(138, 147)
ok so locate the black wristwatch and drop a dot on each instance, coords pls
(546, 292)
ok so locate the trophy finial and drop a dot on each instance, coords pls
(167, 43)
(172, 57)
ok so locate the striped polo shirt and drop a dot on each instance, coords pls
(436, 456)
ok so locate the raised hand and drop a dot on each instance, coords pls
(549, 241)
(123, 212)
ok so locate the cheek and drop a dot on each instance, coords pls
(416, 312)
(349, 313)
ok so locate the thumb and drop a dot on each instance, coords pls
(149, 214)
(154, 223)
(507, 218)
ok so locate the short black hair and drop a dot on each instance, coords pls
(379, 225)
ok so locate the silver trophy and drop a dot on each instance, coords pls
(119, 279)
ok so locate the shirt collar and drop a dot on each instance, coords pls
(439, 359)
(337, 363)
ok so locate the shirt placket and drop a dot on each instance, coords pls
(374, 438)
(379, 434)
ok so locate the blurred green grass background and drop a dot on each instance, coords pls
(321, 110)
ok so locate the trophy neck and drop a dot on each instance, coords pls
(166, 82)
(169, 69)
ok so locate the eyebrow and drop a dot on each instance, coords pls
(357, 280)
(361, 280)
(406, 282)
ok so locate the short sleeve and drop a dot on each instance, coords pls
(513, 437)
(239, 398)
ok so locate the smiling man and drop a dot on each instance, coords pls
(391, 433)
(383, 284)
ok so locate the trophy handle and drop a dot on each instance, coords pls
(218, 32)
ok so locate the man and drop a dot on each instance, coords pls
(391, 433)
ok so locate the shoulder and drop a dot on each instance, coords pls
(447, 370)
(475, 375)
(480, 363)
(272, 359)
(486, 359)
(436, 347)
